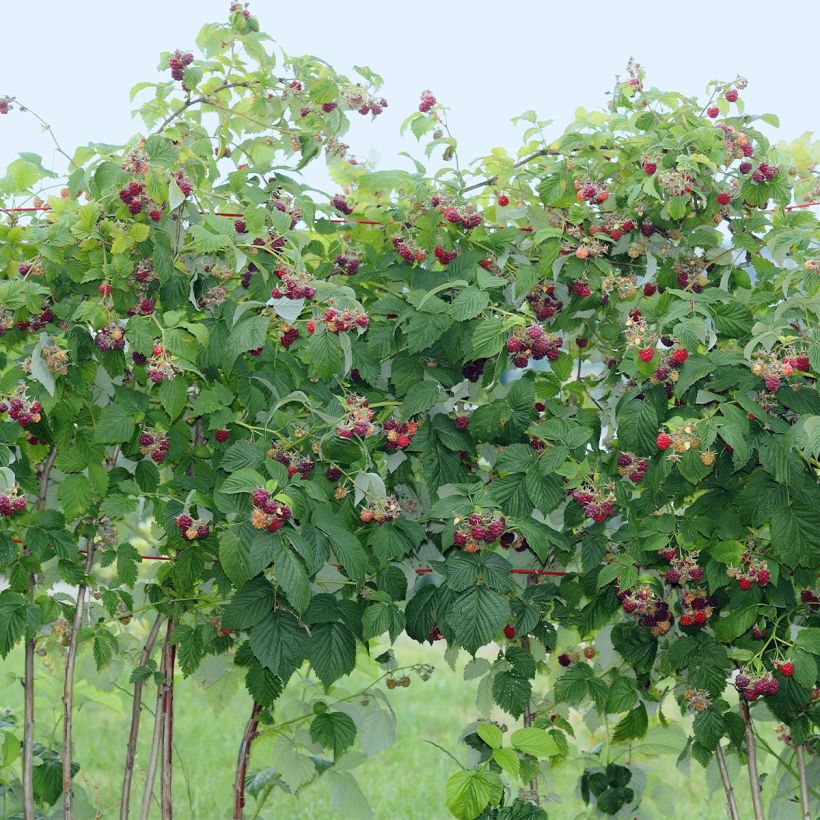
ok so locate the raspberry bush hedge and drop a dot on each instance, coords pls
(576, 387)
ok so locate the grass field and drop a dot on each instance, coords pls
(406, 781)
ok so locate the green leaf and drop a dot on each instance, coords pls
(424, 329)
(291, 575)
(249, 605)
(638, 426)
(115, 425)
(490, 734)
(263, 685)
(12, 620)
(633, 725)
(508, 760)
(511, 692)
(242, 481)
(623, 695)
(279, 643)
(333, 730)
(736, 623)
(345, 545)
(535, 742)
(709, 727)
(420, 397)
(325, 355)
(468, 304)
(489, 338)
(74, 493)
(477, 615)
(173, 394)
(732, 319)
(808, 638)
(467, 793)
(332, 651)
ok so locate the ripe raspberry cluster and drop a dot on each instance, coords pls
(465, 216)
(632, 467)
(357, 420)
(189, 529)
(356, 100)
(294, 462)
(444, 256)
(294, 285)
(381, 510)
(344, 320)
(588, 191)
(154, 445)
(681, 440)
(340, 203)
(473, 370)
(333, 473)
(289, 336)
(408, 250)
(509, 632)
(696, 608)
(144, 307)
(427, 102)
(690, 274)
(268, 514)
(478, 529)
(161, 366)
(399, 436)
(183, 183)
(765, 172)
(11, 503)
(772, 370)
(135, 197)
(178, 62)
(786, 668)
(347, 263)
(580, 289)
(751, 688)
(598, 504)
(533, 342)
(543, 302)
(683, 568)
(461, 422)
(650, 611)
(752, 570)
(21, 408)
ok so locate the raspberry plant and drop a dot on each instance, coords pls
(598, 357)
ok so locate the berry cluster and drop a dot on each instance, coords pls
(632, 466)
(294, 462)
(381, 510)
(341, 205)
(473, 370)
(697, 700)
(408, 250)
(11, 503)
(189, 529)
(533, 342)
(268, 514)
(55, 359)
(161, 366)
(478, 529)
(21, 408)
(427, 102)
(542, 301)
(752, 688)
(689, 274)
(444, 256)
(465, 216)
(588, 191)
(772, 370)
(178, 62)
(399, 436)
(294, 285)
(347, 263)
(355, 100)
(580, 289)
(597, 504)
(650, 611)
(134, 196)
(681, 441)
(683, 569)
(30, 325)
(344, 320)
(357, 420)
(154, 444)
(751, 571)
(289, 336)
(111, 337)
(765, 173)
(696, 608)
(183, 183)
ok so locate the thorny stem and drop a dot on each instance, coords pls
(156, 740)
(542, 152)
(196, 100)
(68, 683)
(136, 713)
(166, 780)
(804, 783)
(751, 754)
(727, 783)
(242, 762)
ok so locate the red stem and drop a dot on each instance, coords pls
(751, 755)
(166, 781)
(242, 762)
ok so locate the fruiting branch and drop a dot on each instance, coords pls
(727, 783)
(242, 762)
(542, 152)
(196, 100)
(136, 713)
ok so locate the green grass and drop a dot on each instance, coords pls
(406, 781)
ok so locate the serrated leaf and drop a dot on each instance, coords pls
(333, 730)
(242, 481)
(332, 651)
(279, 643)
(468, 304)
(533, 741)
(249, 605)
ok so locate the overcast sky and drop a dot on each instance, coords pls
(74, 62)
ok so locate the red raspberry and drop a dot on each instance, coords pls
(460, 538)
(744, 167)
(462, 422)
(503, 200)
(646, 354)
(686, 620)
(260, 497)
(239, 226)
(509, 632)
(744, 583)
(649, 289)
(731, 95)
(311, 327)
(700, 617)
(763, 577)
(712, 111)
(679, 355)
(664, 441)
(564, 659)
(155, 214)
(184, 522)
(451, 215)
(786, 669)
(649, 168)
(105, 289)
(222, 435)
(724, 198)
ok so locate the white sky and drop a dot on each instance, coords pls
(74, 62)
